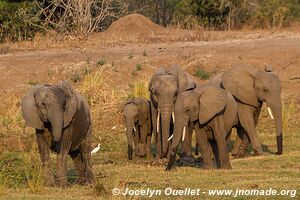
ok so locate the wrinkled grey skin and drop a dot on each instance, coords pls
(137, 115)
(164, 87)
(251, 87)
(212, 112)
(62, 121)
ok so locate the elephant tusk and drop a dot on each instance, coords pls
(125, 129)
(270, 113)
(170, 137)
(157, 122)
(183, 134)
(173, 117)
(134, 128)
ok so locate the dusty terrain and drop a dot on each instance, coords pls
(106, 75)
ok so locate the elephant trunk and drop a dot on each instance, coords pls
(57, 125)
(276, 109)
(178, 132)
(165, 112)
(129, 133)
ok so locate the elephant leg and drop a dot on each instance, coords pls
(215, 151)
(85, 150)
(242, 142)
(143, 140)
(136, 136)
(187, 144)
(148, 145)
(220, 137)
(78, 164)
(248, 123)
(44, 151)
(197, 147)
(204, 147)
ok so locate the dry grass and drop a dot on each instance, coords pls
(111, 167)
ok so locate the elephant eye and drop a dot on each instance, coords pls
(265, 90)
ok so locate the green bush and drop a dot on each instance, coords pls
(17, 19)
(202, 74)
(101, 62)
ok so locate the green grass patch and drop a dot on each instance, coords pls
(202, 74)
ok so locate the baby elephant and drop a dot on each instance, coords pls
(62, 121)
(212, 112)
(137, 118)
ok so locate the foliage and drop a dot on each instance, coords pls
(219, 14)
(17, 19)
(101, 62)
(202, 74)
(20, 20)
(207, 13)
(77, 16)
(138, 67)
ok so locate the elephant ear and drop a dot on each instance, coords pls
(240, 83)
(185, 81)
(212, 101)
(29, 109)
(129, 101)
(143, 111)
(71, 102)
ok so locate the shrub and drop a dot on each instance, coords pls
(101, 62)
(17, 19)
(138, 67)
(202, 74)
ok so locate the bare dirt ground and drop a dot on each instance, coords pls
(282, 53)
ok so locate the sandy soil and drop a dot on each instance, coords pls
(282, 53)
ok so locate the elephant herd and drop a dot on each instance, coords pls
(177, 106)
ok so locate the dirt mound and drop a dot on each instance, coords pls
(135, 24)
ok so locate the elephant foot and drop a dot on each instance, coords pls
(84, 181)
(136, 152)
(187, 161)
(226, 166)
(49, 178)
(258, 153)
(63, 182)
(208, 166)
(238, 155)
(80, 181)
(49, 183)
(161, 161)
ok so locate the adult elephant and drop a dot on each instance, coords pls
(212, 112)
(62, 121)
(251, 87)
(164, 87)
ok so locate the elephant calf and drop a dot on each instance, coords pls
(62, 121)
(212, 112)
(137, 118)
